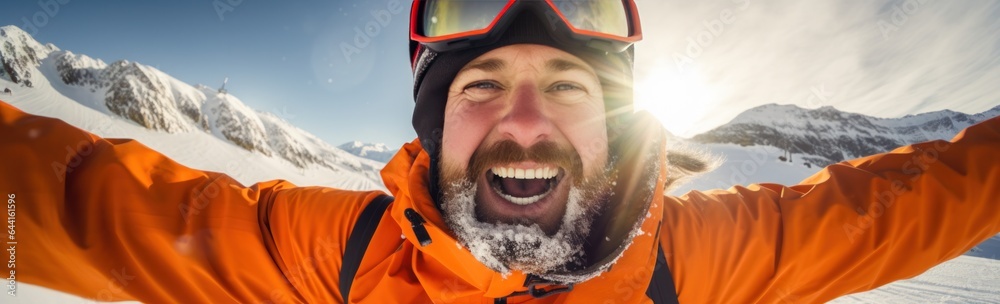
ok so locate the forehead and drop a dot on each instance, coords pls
(527, 56)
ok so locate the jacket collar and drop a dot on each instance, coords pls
(406, 177)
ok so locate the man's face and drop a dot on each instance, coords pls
(524, 149)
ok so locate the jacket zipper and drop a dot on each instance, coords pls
(417, 223)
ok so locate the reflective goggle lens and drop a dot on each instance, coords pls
(449, 17)
(602, 16)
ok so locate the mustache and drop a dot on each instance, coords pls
(507, 152)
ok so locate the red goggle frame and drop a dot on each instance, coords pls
(594, 38)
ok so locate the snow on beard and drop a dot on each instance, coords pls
(521, 245)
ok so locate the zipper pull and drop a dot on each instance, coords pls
(533, 281)
(417, 223)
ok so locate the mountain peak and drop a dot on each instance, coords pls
(8, 31)
(20, 54)
(15, 35)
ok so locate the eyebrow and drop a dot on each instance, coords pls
(491, 65)
(562, 65)
(486, 65)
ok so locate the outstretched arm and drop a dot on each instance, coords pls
(110, 219)
(853, 226)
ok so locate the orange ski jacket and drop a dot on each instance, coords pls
(111, 219)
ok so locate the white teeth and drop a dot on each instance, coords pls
(524, 201)
(516, 173)
(539, 173)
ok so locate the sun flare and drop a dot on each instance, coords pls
(679, 99)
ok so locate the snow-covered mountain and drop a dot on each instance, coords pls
(158, 102)
(377, 152)
(827, 135)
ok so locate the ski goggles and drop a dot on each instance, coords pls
(449, 25)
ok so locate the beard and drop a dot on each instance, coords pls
(504, 244)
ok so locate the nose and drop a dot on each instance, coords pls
(526, 121)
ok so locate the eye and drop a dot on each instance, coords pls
(567, 92)
(566, 87)
(480, 91)
(483, 85)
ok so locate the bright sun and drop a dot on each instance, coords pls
(680, 100)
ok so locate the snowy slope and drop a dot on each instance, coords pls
(970, 278)
(744, 166)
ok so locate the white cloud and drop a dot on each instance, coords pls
(882, 58)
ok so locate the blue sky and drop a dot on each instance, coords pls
(702, 62)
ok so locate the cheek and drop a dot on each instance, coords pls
(463, 132)
(592, 145)
(588, 134)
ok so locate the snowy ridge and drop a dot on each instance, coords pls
(137, 92)
(828, 135)
(156, 101)
(229, 118)
(377, 152)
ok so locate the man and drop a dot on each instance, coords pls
(531, 181)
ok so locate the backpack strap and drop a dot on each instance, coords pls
(357, 244)
(661, 287)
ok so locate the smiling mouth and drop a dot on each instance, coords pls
(524, 186)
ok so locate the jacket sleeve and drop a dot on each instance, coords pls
(110, 219)
(854, 226)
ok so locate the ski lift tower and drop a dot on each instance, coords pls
(222, 90)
